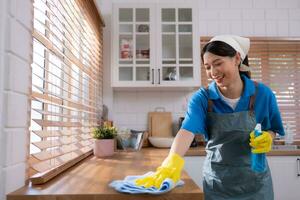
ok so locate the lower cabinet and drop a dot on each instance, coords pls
(286, 176)
(285, 172)
(193, 166)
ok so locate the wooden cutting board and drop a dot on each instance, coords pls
(160, 124)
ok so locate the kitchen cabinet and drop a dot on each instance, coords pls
(193, 166)
(286, 176)
(155, 45)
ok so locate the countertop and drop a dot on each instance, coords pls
(200, 151)
(89, 179)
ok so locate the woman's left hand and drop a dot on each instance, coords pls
(262, 143)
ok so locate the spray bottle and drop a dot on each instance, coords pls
(258, 160)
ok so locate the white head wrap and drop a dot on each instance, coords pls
(240, 44)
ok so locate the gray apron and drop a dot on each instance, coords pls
(227, 170)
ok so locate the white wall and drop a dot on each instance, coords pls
(241, 17)
(15, 59)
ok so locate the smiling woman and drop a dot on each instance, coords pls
(275, 62)
(66, 84)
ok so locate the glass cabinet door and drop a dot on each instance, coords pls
(176, 59)
(134, 45)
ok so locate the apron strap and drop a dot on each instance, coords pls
(252, 98)
(210, 103)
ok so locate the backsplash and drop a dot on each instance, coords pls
(130, 108)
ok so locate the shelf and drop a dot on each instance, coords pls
(142, 33)
(168, 33)
(125, 33)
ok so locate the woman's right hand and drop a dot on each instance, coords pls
(170, 168)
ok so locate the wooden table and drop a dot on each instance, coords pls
(89, 180)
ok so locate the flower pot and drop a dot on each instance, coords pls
(104, 147)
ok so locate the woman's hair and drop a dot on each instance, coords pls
(220, 48)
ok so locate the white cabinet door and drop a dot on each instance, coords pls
(193, 166)
(178, 48)
(286, 177)
(133, 58)
(155, 45)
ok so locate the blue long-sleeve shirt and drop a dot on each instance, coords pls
(265, 107)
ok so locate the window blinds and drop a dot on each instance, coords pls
(276, 63)
(66, 98)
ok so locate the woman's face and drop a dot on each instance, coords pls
(223, 70)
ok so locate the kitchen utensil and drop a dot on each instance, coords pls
(143, 28)
(161, 142)
(160, 124)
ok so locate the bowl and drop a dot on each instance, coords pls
(161, 142)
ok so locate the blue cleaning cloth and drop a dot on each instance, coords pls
(128, 185)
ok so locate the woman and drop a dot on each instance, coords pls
(226, 114)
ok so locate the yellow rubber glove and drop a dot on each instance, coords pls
(262, 143)
(170, 168)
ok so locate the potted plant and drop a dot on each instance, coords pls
(104, 140)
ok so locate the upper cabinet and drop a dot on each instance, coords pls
(155, 45)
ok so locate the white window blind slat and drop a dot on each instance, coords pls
(57, 21)
(66, 84)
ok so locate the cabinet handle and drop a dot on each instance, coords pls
(152, 76)
(298, 167)
(158, 76)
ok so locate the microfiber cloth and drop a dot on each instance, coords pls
(128, 185)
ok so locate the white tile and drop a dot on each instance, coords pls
(247, 28)
(294, 14)
(141, 118)
(180, 102)
(203, 27)
(201, 4)
(19, 40)
(167, 101)
(15, 110)
(217, 4)
(224, 27)
(264, 3)
(271, 28)
(18, 74)
(236, 27)
(259, 28)
(213, 28)
(283, 28)
(253, 14)
(128, 119)
(232, 14)
(277, 14)
(294, 28)
(22, 11)
(125, 102)
(288, 4)
(208, 14)
(148, 101)
(16, 146)
(2, 194)
(241, 3)
(14, 177)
